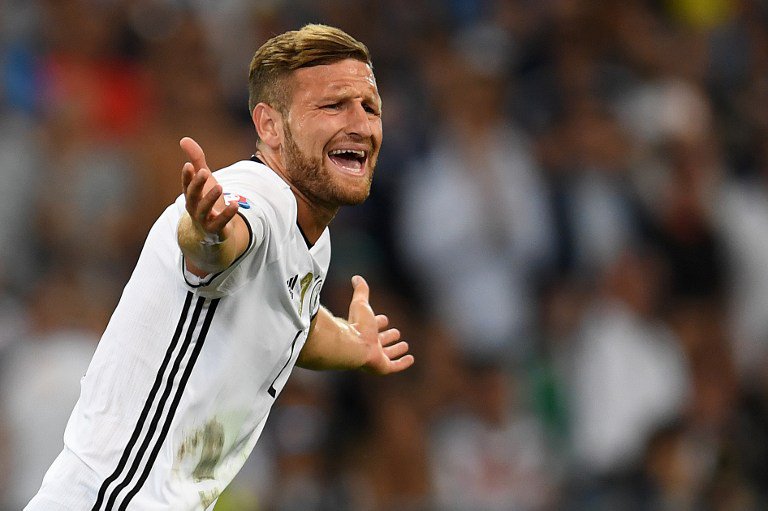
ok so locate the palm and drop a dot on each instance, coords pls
(387, 353)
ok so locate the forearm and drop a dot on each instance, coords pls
(203, 253)
(333, 344)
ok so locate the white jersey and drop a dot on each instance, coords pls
(184, 376)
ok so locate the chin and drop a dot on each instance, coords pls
(346, 189)
(355, 200)
(352, 197)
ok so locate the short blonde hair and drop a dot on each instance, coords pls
(312, 45)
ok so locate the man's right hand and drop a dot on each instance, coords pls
(210, 235)
(202, 192)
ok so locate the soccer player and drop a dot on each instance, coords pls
(224, 300)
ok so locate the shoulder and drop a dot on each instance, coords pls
(252, 175)
(260, 192)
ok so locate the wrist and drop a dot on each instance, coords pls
(209, 239)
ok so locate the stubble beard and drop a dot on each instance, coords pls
(316, 182)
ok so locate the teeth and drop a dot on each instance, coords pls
(359, 154)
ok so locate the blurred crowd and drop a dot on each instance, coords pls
(569, 223)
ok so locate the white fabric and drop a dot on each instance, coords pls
(256, 332)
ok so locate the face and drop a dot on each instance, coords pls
(333, 132)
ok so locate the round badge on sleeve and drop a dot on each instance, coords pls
(314, 296)
(233, 197)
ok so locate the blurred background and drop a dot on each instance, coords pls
(569, 223)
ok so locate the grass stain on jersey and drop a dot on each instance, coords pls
(208, 443)
(208, 497)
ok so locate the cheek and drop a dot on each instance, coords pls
(322, 133)
(310, 142)
(378, 132)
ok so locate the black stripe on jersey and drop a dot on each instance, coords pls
(161, 405)
(147, 405)
(174, 405)
(169, 384)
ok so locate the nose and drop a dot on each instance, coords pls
(358, 122)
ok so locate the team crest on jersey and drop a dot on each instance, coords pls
(314, 296)
(301, 287)
(233, 197)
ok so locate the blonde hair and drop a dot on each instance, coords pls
(312, 45)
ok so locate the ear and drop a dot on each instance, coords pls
(269, 125)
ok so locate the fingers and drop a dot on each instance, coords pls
(201, 203)
(218, 221)
(205, 205)
(203, 208)
(194, 189)
(393, 353)
(187, 173)
(202, 192)
(195, 172)
(396, 350)
(194, 152)
(401, 364)
(389, 336)
(193, 168)
(398, 358)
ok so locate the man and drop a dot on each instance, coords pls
(224, 299)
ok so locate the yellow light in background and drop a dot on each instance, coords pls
(702, 14)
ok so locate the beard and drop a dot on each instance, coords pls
(317, 182)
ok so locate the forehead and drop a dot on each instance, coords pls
(349, 76)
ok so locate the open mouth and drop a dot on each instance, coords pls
(350, 161)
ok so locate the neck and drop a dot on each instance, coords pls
(312, 216)
(312, 219)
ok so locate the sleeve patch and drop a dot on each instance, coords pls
(233, 197)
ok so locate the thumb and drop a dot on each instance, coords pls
(359, 305)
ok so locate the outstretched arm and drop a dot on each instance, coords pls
(211, 235)
(361, 342)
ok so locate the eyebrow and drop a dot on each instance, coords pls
(340, 88)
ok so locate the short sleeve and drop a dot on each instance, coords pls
(267, 206)
(223, 283)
